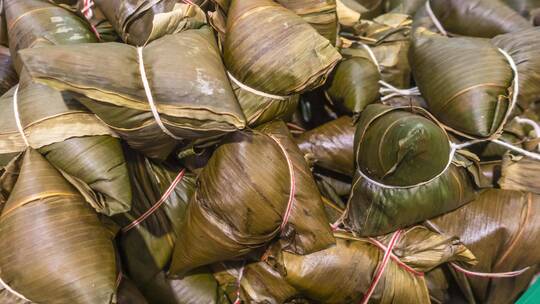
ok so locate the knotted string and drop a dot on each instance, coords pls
(382, 266)
(149, 97)
(255, 91)
(158, 204)
(17, 117)
(388, 91)
(396, 258)
(388, 251)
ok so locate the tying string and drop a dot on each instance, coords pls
(149, 97)
(433, 18)
(118, 281)
(455, 147)
(292, 191)
(530, 123)
(396, 259)
(238, 283)
(87, 9)
(158, 204)
(493, 275)
(372, 56)
(388, 91)
(382, 266)
(17, 117)
(88, 13)
(6, 287)
(254, 91)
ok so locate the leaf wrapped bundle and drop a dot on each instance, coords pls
(64, 131)
(467, 82)
(354, 84)
(138, 22)
(65, 243)
(197, 287)
(321, 14)
(273, 194)
(294, 58)
(8, 76)
(343, 273)
(197, 103)
(71, 138)
(147, 247)
(405, 155)
(477, 18)
(331, 145)
(260, 284)
(523, 47)
(502, 229)
(33, 21)
(388, 38)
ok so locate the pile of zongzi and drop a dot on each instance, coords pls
(269, 151)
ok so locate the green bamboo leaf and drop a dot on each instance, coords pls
(65, 243)
(198, 103)
(501, 228)
(242, 198)
(331, 145)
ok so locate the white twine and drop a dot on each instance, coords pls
(529, 122)
(6, 286)
(17, 117)
(254, 91)
(388, 89)
(454, 147)
(150, 98)
(515, 93)
(524, 152)
(436, 21)
(371, 55)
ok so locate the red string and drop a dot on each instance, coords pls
(238, 283)
(396, 259)
(88, 14)
(157, 204)
(382, 266)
